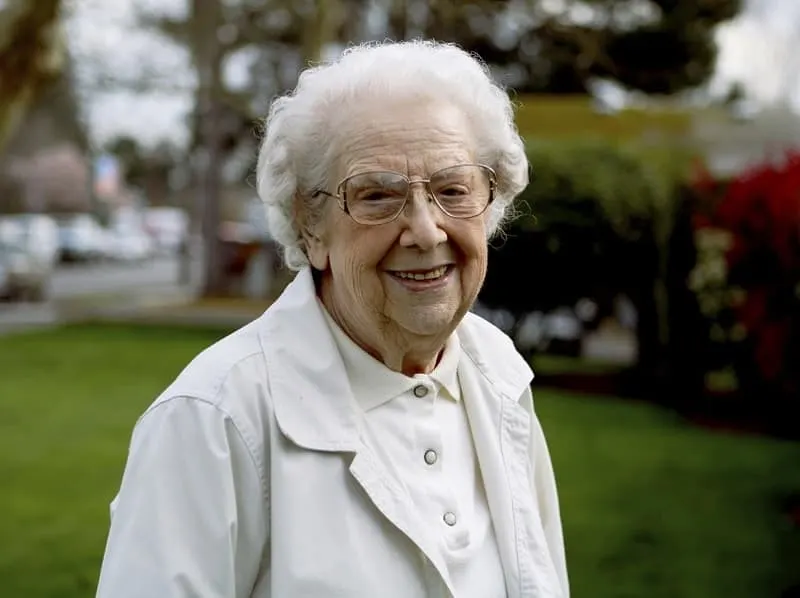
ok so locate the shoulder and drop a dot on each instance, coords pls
(223, 390)
(483, 338)
(474, 327)
(228, 364)
(493, 352)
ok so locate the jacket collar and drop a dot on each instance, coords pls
(314, 404)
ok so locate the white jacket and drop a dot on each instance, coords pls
(248, 476)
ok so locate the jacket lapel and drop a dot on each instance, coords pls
(501, 429)
(315, 408)
(488, 419)
(395, 504)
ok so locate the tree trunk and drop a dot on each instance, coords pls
(30, 51)
(320, 30)
(398, 20)
(207, 19)
(441, 23)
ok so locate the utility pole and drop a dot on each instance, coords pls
(398, 19)
(206, 23)
(320, 29)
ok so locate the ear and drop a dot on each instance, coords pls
(317, 249)
(313, 237)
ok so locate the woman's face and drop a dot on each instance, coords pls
(367, 269)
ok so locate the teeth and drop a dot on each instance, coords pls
(429, 275)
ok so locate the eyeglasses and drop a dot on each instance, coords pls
(463, 191)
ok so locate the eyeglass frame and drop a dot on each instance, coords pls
(341, 196)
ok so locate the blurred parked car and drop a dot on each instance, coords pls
(40, 237)
(129, 244)
(24, 276)
(81, 238)
(744, 110)
(11, 230)
(127, 239)
(169, 228)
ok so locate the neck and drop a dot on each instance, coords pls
(396, 348)
(410, 363)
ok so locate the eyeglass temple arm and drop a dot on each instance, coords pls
(318, 192)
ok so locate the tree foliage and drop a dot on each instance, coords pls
(655, 46)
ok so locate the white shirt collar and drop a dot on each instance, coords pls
(374, 384)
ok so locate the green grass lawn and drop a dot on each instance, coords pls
(559, 364)
(651, 508)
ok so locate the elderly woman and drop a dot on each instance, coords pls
(367, 436)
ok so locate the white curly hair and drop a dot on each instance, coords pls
(296, 154)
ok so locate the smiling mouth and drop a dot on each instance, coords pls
(424, 275)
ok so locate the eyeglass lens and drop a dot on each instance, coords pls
(461, 191)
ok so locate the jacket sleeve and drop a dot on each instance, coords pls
(544, 488)
(190, 518)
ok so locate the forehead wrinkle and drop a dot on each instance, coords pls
(413, 168)
(426, 141)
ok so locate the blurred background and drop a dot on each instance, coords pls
(653, 277)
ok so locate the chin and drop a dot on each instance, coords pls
(430, 320)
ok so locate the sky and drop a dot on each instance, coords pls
(756, 49)
(760, 49)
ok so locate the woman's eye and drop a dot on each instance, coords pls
(374, 195)
(453, 191)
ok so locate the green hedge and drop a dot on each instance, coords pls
(574, 117)
(633, 187)
(597, 220)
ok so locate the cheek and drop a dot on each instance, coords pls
(355, 259)
(474, 247)
(359, 253)
(477, 271)
(471, 240)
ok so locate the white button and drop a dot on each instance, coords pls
(449, 518)
(420, 391)
(431, 457)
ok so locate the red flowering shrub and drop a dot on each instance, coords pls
(758, 294)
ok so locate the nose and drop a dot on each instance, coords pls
(421, 221)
